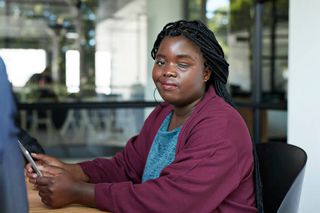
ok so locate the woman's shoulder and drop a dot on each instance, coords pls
(158, 114)
(162, 108)
(216, 114)
(216, 106)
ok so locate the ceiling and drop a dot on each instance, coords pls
(40, 18)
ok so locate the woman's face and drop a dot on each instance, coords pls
(179, 72)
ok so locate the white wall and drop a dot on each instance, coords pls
(303, 94)
(123, 36)
(159, 13)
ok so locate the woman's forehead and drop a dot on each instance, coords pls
(179, 44)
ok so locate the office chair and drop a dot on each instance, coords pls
(282, 171)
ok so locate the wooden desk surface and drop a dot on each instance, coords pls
(36, 206)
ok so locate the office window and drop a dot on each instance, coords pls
(103, 72)
(72, 71)
(18, 64)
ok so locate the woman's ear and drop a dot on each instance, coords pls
(206, 74)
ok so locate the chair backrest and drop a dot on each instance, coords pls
(282, 171)
(12, 182)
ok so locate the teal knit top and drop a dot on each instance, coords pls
(162, 152)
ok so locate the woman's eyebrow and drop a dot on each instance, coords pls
(160, 56)
(180, 56)
(186, 56)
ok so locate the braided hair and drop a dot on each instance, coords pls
(213, 54)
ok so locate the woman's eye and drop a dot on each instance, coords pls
(183, 65)
(159, 63)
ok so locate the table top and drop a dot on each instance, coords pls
(36, 206)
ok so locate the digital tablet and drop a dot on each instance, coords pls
(30, 159)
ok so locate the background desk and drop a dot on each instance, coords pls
(36, 206)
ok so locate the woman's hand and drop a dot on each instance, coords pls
(46, 160)
(61, 188)
(41, 161)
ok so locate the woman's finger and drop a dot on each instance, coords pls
(52, 170)
(43, 157)
(41, 194)
(29, 167)
(45, 201)
(44, 190)
(33, 180)
(43, 181)
(31, 174)
(47, 174)
(35, 187)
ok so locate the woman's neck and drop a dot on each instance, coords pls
(180, 115)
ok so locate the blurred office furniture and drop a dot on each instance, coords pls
(90, 122)
(105, 141)
(273, 114)
(42, 119)
(282, 171)
(12, 182)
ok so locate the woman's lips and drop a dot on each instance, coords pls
(168, 85)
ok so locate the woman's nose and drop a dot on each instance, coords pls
(169, 72)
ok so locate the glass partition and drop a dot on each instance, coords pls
(64, 58)
(74, 50)
(233, 22)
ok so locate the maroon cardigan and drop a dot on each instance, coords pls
(212, 171)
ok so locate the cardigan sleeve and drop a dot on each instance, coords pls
(205, 172)
(124, 166)
(128, 164)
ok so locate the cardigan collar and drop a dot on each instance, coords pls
(210, 94)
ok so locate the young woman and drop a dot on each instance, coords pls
(193, 154)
